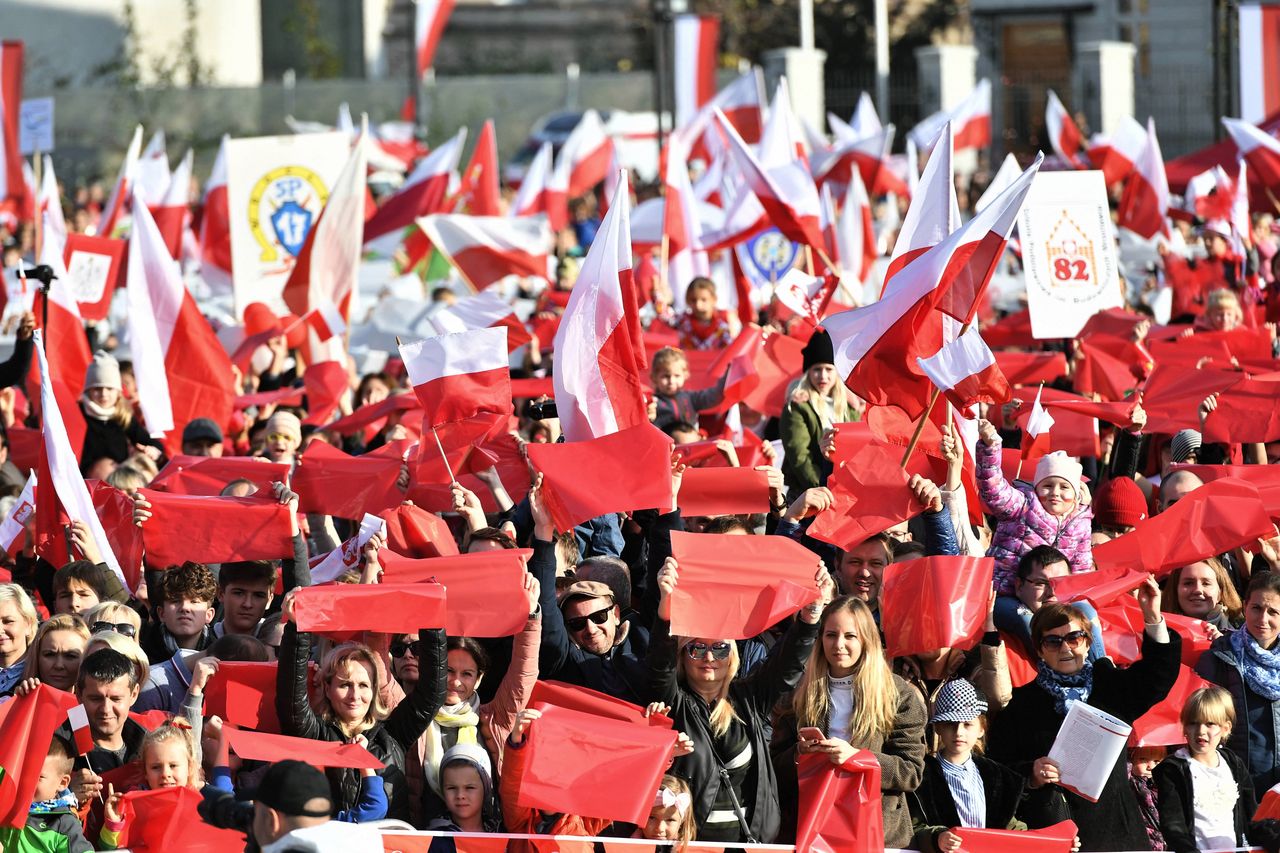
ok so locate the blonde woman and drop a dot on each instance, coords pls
(1203, 590)
(847, 671)
(735, 789)
(818, 401)
(350, 703)
(18, 623)
(55, 654)
(113, 616)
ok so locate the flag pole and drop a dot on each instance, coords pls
(664, 256)
(447, 467)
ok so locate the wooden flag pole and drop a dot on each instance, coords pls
(447, 467)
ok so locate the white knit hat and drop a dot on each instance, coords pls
(103, 372)
(1059, 464)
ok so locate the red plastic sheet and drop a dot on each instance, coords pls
(205, 475)
(414, 532)
(484, 591)
(590, 701)
(839, 806)
(723, 491)
(331, 482)
(214, 530)
(871, 495)
(166, 819)
(27, 724)
(400, 608)
(1161, 726)
(934, 602)
(1058, 838)
(261, 746)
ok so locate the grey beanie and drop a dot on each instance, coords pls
(103, 372)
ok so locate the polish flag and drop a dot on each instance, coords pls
(1144, 204)
(696, 41)
(972, 118)
(584, 158)
(1260, 150)
(1259, 50)
(1005, 176)
(866, 121)
(215, 225)
(1064, 136)
(934, 212)
(535, 193)
(481, 311)
(829, 223)
(154, 176)
(424, 191)
(855, 232)
(965, 371)
(785, 138)
(1035, 442)
(487, 249)
(325, 321)
(742, 103)
(460, 375)
(876, 346)
(869, 154)
(122, 191)
(786, 191)
(1116, 154)
(680, 225)
(78, 717)
(64, 495)
(182, 370)
(49, 204)
(328, 266)
(599, 347)
(12, 186)
(63, 327)
(171, 212)
(15, 523)
(480, 179)
(843, 131)
(804, 295)
(429, 19)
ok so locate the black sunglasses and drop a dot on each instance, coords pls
(578, 623)
(122, 628)
(719, 651)
(1071, 639)
(398, 648)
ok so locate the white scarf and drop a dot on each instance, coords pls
(95, 411)
(463, 717)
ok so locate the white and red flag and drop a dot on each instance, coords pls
(78, 718)
(1063, 134)
(1144, 204)
(154, 176)
(804, 295)
(1259, 49)
(876, 346)
(1035, 439)
(966, 373)
(215, 225)
(328, 265)
(584, 158)
(599, 347)
(934, 212)
(325, 321)
(183, 371)
(15, 522)
(1260, 150)
(786, 191)
(680, 225)
(69, 354)
(696, 41)
(122, 190)
(49, 204)
(171, 212)
(855, 232)
(429, 20)
(64, 496)
(480, 311)
(971, 120)
(460, 375)
(424, 191)
(869, 155)
(1007, 173)
(742, 103)
(535, 193)
(487, 249)
(866, 121)
(1116, 154)
(13, 188)
(480, 180)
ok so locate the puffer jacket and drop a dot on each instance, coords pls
(388, 739)
(1023, 523)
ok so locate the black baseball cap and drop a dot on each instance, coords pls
(288, 786)
(202, 429)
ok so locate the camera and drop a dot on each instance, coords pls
(541, 410)
(223, 810)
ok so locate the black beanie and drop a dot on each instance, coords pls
(819, 349)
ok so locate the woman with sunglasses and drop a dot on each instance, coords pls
(113, 616)
(1022, 735)
(735, 789)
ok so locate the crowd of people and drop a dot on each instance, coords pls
(962, 736)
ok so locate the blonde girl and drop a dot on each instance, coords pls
(671, 818)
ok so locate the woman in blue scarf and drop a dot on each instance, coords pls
(1023, 733)
(1247, 663)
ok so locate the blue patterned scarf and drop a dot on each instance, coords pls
(65, 801)
(1261, 668)
(1065, 688)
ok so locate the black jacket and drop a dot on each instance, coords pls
(753, 699)
(1025, 730)
(107, 438)
(388, 739)
(14, 371)
(1176, 800)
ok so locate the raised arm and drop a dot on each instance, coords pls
(996, 492)
(555, 648)
(782, 669)
(411, 717)
(292, 704)
(517, 684)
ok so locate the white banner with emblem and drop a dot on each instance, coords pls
(1068, 253)
(276, 187)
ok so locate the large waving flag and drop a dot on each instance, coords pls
(123, 188)
(599, 347)
(170, 211)
(742, 103)
(460, 375)
(966, 373)
(68, 356)
(429, 19)
(585, 156)
(1144, 204)
(424, 191)
(486, 249)
(696, 41)
(1117, 153)
(1063, 134)
(970, 121)
(1260, 150)
(876, 347)
(215, 225)
(934, 212)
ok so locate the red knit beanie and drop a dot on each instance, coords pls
(1119, 502)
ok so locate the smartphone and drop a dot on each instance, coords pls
(812, 733)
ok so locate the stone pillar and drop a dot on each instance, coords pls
(805, 80)
(1104, 83)
(947, 73)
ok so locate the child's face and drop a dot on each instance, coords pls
(463, 791)
(702, 304)
(243, 603)
(670, 378)
(186, 618)
(1203, 738)
(1145, 760)
(167, 765)
(664, 824)
(52, 780)
(75, 597)
(959, 738)
(1056, 495)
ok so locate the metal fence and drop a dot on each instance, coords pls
(843, 89)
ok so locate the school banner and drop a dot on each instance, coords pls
(276, 187)
(1068, 254)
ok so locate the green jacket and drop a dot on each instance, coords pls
(803, 465)
(50, 832)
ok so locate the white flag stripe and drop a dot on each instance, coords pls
(475, 312)
(1040, 421)
(155, 293)
(473, 351)
(966, 356)
(454, 233)
(78, 717)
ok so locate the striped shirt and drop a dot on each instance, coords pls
(967, 790)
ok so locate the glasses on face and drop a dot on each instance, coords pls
(1072, 640)
(398, 648)
(697, 651)
(276, 436)
(577, 624)
(122, 628)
